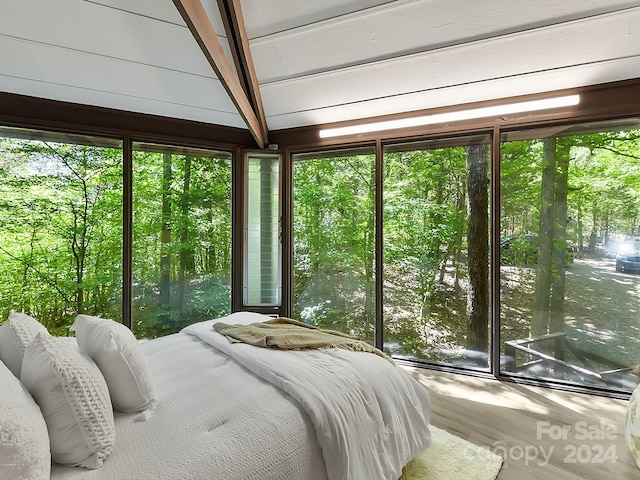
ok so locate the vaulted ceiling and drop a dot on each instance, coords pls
(310, 61)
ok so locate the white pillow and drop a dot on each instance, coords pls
(24, 441)
(117, 353)
(74, 399)
(632, 425)
(16, 333)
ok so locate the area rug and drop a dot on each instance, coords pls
(452, 458)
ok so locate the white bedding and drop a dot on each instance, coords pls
(214, 420)
(238, 412)
(370, 417)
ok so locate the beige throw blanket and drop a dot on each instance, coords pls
(288, 334)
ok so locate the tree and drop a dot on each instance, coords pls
(186, 249)
(556, 304)
(164, 316)
(540, 314)
(478, 248)
(62, 204)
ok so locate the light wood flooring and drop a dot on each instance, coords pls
(542, 433)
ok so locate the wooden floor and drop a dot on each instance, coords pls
(541, 433)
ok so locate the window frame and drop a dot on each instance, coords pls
(602, 102)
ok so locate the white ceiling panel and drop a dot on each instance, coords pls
(316, 61)
(546, 81)
(116, 55)
(103, 31)
(81, 73)
(611, 36)
(162, 10)
(403, 28)
(265, 17)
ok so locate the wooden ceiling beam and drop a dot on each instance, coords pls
(231, 12)
(202, 30)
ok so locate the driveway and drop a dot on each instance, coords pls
(602, 309)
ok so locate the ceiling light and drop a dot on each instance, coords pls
(453, 116)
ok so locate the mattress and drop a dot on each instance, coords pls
(213, 420)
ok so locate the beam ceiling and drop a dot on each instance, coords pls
(305, 63)
(202, 30)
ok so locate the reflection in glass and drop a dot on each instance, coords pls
(570, 217)
(262, 285)
(181, 237)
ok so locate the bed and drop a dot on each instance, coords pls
(235, 411)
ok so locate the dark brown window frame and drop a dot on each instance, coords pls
(611, 101)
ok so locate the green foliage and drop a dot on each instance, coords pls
(425, 240)
(334, 243)
(61, 242)
(61, 247)
(61, 212)
(198, 250)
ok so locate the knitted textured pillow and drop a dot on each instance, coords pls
(16, 333)
(74, 399)
(24, 441)
(117, 353)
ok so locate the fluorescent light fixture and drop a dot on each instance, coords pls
(483, 112)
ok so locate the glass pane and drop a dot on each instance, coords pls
(436, 251)
(181, 237)
(570, 242)
(334, 241)
(61, 219)
(262, 285)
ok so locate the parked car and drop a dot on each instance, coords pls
(628, 262)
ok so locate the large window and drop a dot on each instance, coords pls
(181, 237)
(334, 240)
(570, 253)
(392, 245)
(61, 221)
(436, 250)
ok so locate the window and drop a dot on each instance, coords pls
(181, 231)
(334, 240)
(436, 250)
(61, 220)
(569, 251)
(262, 254)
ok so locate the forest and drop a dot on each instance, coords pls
(565, 196)
(577, 194)
(61, 251)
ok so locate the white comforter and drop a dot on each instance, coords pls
(370, 417)
(214, 420)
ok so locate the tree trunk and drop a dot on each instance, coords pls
(556, 318)
(460, 220)
(164, 316)
(579, 230)
(79, 242)
(540, 317)
(478, 248)
(186, 251)
(593, 236)
(369, 252)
